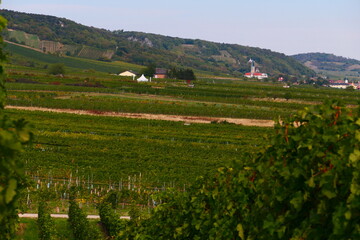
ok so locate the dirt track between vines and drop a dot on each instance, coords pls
(177, 118)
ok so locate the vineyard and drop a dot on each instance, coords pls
(126, 167)
(24, 38)
(93, 53)
(73, 63)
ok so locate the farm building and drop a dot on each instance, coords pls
(128, 74)
(160, 73)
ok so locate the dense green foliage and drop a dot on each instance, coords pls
(110, 220)
(79, 224)
(143, 48)
(306, 185)
(57, 69)
(45, 222)
(186, 74)
(13, 135)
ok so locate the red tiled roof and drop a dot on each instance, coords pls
(255, 74)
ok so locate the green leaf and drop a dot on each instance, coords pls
(355, 156)
(10, 191)
(348, 215)
(358, 122)
(311, 182)
(297, 200)
(240, 229)
(329, 194)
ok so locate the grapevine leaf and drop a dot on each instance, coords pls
(10, 191)
(240, 229)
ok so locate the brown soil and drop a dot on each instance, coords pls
(178, 118)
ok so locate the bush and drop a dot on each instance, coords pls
(79, 224)
(111, 221)
(57, 69)
(14, 134)
(45, 222)
(306, 185)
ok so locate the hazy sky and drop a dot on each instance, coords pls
(287, 26)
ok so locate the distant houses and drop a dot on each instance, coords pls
(342, 84)
(160, 73)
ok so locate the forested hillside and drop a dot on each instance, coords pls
(330, 64)
(67, 37)
(327, 61)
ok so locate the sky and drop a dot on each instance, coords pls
(286, 26)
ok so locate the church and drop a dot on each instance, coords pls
(254, 72)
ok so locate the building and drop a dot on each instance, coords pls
(160, 73)
(256, 75)
(254, 72)
(128, 74)
(343, 85)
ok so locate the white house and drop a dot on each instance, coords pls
(342, 85)
(142, 79)
(128, 74)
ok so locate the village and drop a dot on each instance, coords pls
(162, 73)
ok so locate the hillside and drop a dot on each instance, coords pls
(329, 64)
(65, 37)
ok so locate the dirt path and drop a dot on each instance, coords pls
(178, 118)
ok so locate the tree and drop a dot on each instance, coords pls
(57, 69)
(149, 70)
(181, 73)
(13, 135)
(305, 185)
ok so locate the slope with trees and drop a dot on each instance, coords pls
(144, 48)
(330, 64)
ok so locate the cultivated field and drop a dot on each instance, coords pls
(79, 143)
